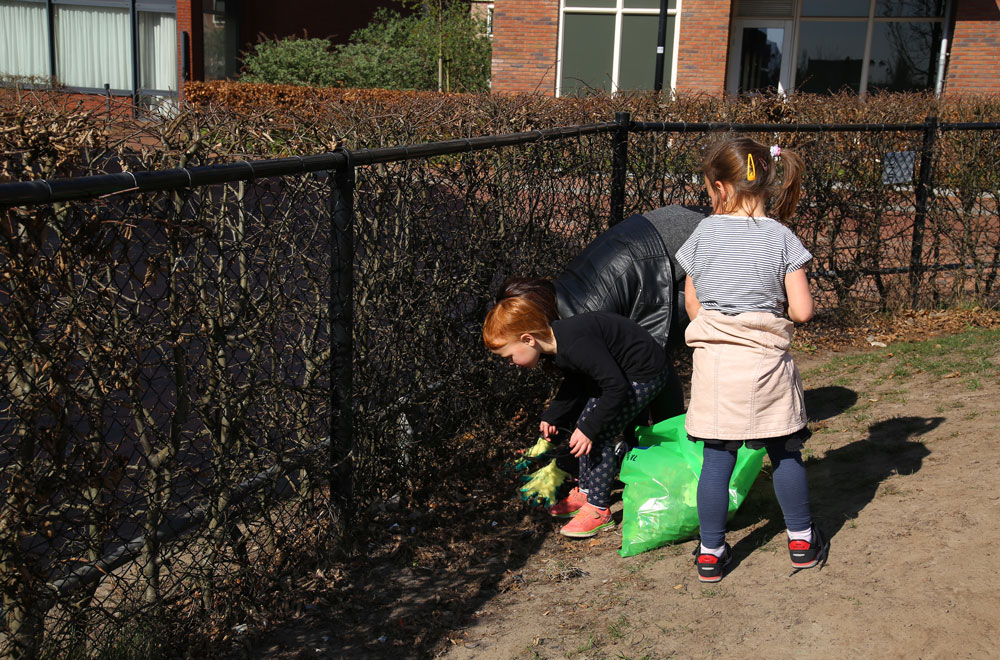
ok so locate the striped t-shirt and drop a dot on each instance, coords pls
(738, 264)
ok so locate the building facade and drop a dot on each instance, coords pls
(121, 47)
(563, 47)
(147, 49)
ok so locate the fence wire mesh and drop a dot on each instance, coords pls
(434, 239)
(860, 209)
(164, 356)
(166, 457)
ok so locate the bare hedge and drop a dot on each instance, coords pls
(165, 352)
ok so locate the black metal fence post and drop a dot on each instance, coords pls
(341, 340)
(661, 43)
(619, 166)
(924, 190)
(136, 66)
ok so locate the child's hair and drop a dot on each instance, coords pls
(515, 315)
(750, 168)
(539, 289)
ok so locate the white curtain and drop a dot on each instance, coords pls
(93, 47)
(157, 51)
(24, 41)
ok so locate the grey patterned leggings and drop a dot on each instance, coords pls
(599, 467)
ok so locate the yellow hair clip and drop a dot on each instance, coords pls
(751, 170)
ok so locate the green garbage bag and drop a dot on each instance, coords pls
(661, 486)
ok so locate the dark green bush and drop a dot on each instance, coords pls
(441, 47)
(292, 61)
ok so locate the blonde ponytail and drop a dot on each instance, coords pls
(787, 197)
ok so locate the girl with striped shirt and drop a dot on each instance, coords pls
(746, 285)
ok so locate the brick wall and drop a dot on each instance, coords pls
(702, 47)
(189, 20)
(525, 45)
(974, 65)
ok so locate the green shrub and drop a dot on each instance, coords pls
(403, 52)
(441, 47)
(291, 61)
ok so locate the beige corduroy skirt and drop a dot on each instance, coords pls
(745, 384)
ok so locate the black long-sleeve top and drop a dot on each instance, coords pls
(600, 354)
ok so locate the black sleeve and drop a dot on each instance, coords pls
(567, 404)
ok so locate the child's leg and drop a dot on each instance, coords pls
(807, 545)
(584, 478)
(791, 487)
(713, 495)
(601, 464)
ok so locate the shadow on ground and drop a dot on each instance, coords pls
(427, 573)
(845, 480)
(822, 403)
(424, 574)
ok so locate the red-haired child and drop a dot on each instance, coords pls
(611, 367)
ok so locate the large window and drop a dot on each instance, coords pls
(157, 50)
(87, 44)
(24, 40)
(824, 46)
(93, 47)
(610, 45)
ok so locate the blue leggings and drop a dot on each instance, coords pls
(790, 487)
(600, 466)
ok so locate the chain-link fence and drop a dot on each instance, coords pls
(896, 215)
(208, 371)
(165, 406)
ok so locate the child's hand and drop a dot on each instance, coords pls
(548, 430)
(579, 444)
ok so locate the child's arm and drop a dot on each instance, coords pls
(597, 375)
(800, 301)
(564, 407)
(691, 304)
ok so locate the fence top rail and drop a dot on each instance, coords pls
(47, 191)
(707, 127)
(970, 126)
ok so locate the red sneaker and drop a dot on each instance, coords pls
(567, 507)
(587, 522)
(710, 568)
(806, 554)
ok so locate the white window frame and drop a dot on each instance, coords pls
(618, 11)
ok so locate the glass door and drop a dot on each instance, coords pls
(221, 39)
(759, 56)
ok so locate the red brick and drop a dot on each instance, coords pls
(974, 63)
(525, 44)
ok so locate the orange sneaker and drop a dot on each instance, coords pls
(567, 507)
(587, 522)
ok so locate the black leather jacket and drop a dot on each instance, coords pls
(630, 270)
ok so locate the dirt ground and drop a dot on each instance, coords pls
(909, 498)
(903, 476)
